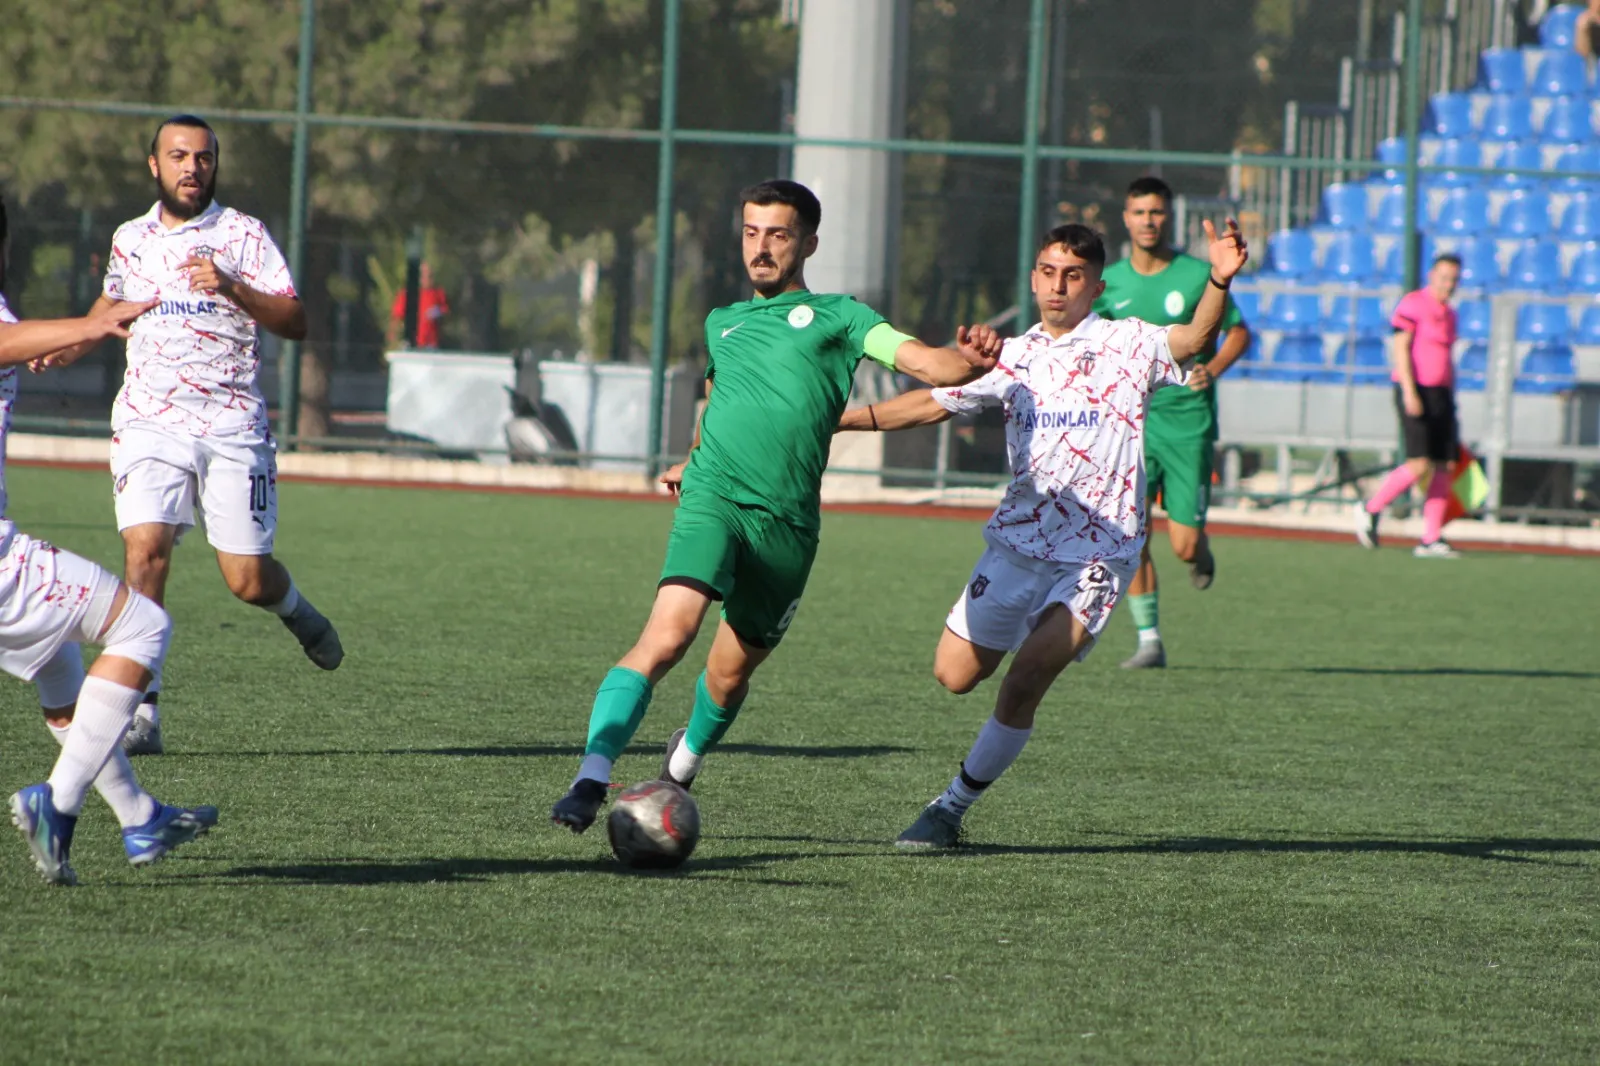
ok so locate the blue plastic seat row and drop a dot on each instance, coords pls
(1526, 159)
(1525, 213)
(1548, 367)
(1350, 257)
(1510, 117)
(1560, 72)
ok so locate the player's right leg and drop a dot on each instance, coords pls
(154, 485)
(1144, 598)
(701, 553)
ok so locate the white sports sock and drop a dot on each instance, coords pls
(117, 785)
(105, 710)
(1150, 636)
(996, 748)
(286, 606)
(959, 796)
(684, 764)
(594, 768)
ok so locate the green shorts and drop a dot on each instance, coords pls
(1178, 469)
(756, 564)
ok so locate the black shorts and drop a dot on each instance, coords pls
(1433, 436)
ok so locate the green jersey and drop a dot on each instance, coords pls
(781, 371)
(1165, 299)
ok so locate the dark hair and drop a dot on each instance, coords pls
(1081, 241)
(1150, 185)
(193, 122)
(789, 193)
(1447, 257)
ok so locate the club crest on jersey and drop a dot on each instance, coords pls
(801, 317)
(980, 585)
(1072, 418)
(1174, 303)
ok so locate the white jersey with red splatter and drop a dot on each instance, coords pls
(8, 400)
(194, 358)
(1075, 414)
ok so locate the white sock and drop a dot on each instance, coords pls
(117, 785)
(996, 748)
(1150, 636)
(285, 607)
(105, 710)
(684, 764)
(594, 768)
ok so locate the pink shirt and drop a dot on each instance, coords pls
(1432, 326)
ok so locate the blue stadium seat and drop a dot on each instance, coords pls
(1291, 253)
(1365, 358)
(1450, 114)
(1344, 205)
(1561, 73)
(1560, 25)
(1298, 357)
(1545, 323)
(1473, 367)
(1391, 217)
(1568, 121)
(1584, 274)
(1480, 265)
(1537, 267)
(1348, 257)
(1392, 151)
(1589, 325)
(1392, 270)
(1363, 315)
(1465, 210)
(1509, 118)
(1548, 368)
(1525, 160)
(1500, 70)
(1525, 214)
(1580, 159)
(1472, 320)
(1297, 312)
(1248, 301)
(1581, 220)
(1461, 152)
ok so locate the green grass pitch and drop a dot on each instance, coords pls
(1358, 820)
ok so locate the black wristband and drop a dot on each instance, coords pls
(874, 418)
(1219, 284)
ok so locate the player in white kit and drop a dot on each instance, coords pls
(1065, 540)
(49, 601)
(189, 427)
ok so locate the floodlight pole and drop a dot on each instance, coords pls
(1028, 223)
(1413, 64)
(661, 296)
(289, 354)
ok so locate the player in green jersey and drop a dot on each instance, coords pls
(1162, 286)
(778, 372)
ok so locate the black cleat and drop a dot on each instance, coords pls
(666, 762)
(578, 809)
(1204, 568)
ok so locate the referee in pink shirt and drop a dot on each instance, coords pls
(1424, 391)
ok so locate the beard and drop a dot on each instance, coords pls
(179, 208)
(779, 283)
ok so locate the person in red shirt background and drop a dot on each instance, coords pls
(431, 307)
(1424, 391)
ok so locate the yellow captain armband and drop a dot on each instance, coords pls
(882, 341)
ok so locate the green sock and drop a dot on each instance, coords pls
(619, 707)
(709, 722)
(1145, 612)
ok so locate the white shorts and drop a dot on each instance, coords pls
(1008, 593)
(54, 597)
(159, 477)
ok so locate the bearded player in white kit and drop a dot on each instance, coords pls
(1065, 540)
(189, 427)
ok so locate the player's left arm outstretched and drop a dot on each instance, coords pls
(1228, 254)
(282, 314)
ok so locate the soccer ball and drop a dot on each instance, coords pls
(654, 825)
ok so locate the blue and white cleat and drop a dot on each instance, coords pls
(47, 831)
(172, 827)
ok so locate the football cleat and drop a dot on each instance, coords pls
(1204, 568)
(666, 762)
(316, 635)
(171, 827)
(1438, 549)
(1366, 526)
(143, 737)
(578, 809)
(1152, 655)
(47, 831)
(936, 827)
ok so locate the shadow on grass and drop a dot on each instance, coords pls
(575, 751)
(1498, 849)
(1404, 671)
(362, 871)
